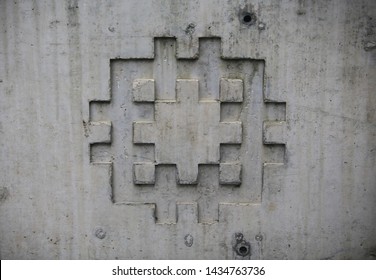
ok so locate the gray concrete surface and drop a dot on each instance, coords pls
(187, 129)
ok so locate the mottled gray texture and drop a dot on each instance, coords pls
(299, 183)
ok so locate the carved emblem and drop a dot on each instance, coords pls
(187, 131)
(202, 115)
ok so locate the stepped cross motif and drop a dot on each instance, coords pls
(192, 111)
(187, 131)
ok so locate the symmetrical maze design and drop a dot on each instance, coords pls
(190, 131)
(187, 131)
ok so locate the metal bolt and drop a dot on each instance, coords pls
(100, 233)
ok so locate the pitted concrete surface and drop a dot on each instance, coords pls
(187, 129)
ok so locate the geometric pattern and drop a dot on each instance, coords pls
(187, 131)
(195, 115)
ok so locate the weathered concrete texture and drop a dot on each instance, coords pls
(188, 129)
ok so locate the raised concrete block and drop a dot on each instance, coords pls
(230, 173)
(231, 132)
(99, 132)
(231, 90)
(143, 90)
(144, 173)
(274, 132)
(143, 132)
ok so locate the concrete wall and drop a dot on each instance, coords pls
(307, 148)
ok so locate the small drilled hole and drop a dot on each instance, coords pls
(247, 18)
(243, 250)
